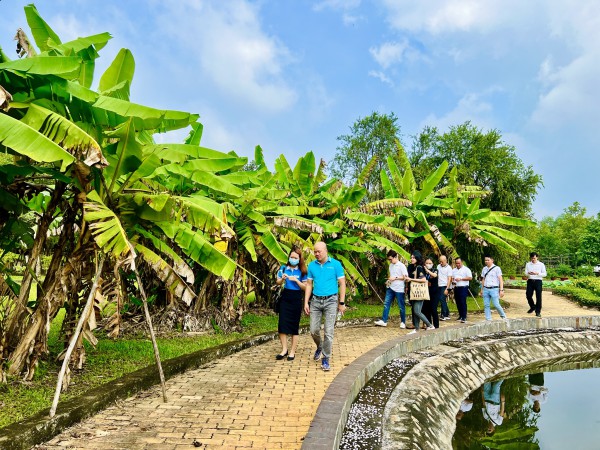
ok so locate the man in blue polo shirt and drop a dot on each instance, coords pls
(325, 277)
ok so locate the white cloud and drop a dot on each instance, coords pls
(569, 92)
(381, 76)
(573, 95)
(472, 107)
(389, 53)
(336, 5)
(350, 19)
(320, 103)
(440, 16)
(227, 42)
(345, 6)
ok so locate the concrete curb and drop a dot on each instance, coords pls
(330, 419)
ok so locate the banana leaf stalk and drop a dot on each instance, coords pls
(82, 319)
(152, 336)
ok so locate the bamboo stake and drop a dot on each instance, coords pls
(152, 336)
(82, 319)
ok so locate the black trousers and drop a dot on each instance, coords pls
(432, 307)
(534, 285)
(460, 297)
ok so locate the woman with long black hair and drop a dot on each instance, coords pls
(416, 274)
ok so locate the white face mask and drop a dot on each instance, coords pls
(429, 266)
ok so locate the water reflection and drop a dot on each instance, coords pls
(517, 413)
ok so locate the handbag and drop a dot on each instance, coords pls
(277, 298)
(277, 302)
(419, 291)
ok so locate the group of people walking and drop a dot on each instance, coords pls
(319, 290)
(441, 280)
(445, 279)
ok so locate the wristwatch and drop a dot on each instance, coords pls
(342, 303)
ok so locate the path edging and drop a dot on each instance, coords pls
(40, 428)
(329, 421)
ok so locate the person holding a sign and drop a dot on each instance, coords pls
(419, 291)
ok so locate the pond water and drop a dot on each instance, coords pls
(552, 410)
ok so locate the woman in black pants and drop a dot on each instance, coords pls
(293, 274)
(430, 307)
(416, 274)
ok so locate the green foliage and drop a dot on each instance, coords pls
(482, 159)
(372, 139)
(589, 248)
(573, 235)
(585, 291)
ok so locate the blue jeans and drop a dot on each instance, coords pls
(443, 302)
(319, 308)
(389, 298)
(418, 315)
(491, 391)
(494, 296)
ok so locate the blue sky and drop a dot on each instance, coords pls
(292, 75)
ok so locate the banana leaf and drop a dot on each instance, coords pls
(25, 140)
(62, 66)
(271, 244)
(350, 270)
(41, 31)
(167, 274)
(304, 173)
(195, 245)
(106, 227)
(121, 70)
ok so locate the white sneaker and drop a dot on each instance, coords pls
(381, 323)
(402, 325)
(431, 328)
(413, 332)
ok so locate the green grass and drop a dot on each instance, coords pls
(112, 359)
(551, 284)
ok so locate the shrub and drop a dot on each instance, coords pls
(564, 270)
(590, 283)
(585, 291)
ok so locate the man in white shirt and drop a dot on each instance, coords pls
(395, 288)
(461, 275)
(538, 394)
(493, 405)
(492, 287)
(444, 283)
(535, 271)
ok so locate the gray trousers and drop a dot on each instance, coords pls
(318, 309)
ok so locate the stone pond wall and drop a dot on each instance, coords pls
(403, 427)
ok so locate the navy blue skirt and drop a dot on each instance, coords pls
(290, 311)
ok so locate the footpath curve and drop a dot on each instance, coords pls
(247, 400)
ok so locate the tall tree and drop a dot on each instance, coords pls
(482, 159)
(589, 248)
(371, 140)
(564, 235)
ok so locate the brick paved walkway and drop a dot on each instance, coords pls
(247, 400)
